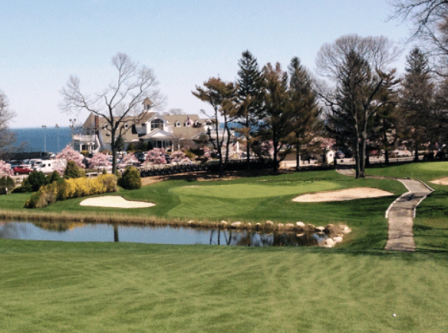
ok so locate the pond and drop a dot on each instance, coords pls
(81, 232)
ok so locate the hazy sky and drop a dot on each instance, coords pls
(184, 42)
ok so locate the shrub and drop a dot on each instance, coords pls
(130, 179)
(71, 188)
(104, 172)
(72, 170)
(36, 180)
(190, 155)
(7, 181)
(85, 152)
(54, 177)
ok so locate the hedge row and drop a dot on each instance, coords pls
(71, 188)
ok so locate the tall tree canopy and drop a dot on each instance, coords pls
(122, 97)
(357, 67)
(7, 138)
(417, 100)
(249, 97)
(221, 96)
(305, 111)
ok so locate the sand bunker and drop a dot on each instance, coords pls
(343, 195)
(441, 181)
(115, 202)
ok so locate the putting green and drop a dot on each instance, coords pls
(439, 166)
(247, 191)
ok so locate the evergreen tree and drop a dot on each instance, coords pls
(417, 100)
(249, 97)
(305, 111)
(276, 125)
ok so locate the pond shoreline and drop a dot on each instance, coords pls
(150, 221)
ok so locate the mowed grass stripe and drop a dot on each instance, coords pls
(197, 288)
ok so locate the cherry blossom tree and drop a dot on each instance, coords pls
(179, 157)
(156, 156)
(5, 169)
(207, 153)
(128, 159)
(69, 154)
(100, 159)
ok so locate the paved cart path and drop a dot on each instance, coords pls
(401, 213)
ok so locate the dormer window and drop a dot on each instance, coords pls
(156, 124)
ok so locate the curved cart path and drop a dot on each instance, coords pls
(401, 213)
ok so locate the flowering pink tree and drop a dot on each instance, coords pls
(207, 153)
(5, 169)
(179, 157)
(128, 160)
(69, 154)
(99, 159)
(155, 156)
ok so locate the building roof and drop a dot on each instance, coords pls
(130, 134)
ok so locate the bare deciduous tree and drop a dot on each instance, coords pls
(7, 138)
(429, 19)
(122, 98)
(357, 67)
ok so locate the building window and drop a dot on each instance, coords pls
(126, 125)
(177, 124)
(157, 123)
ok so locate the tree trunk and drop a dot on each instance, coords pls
(386, 157)
(114, 153)
(247, 141)
(416, 154)
(274, 142)
(297, 156)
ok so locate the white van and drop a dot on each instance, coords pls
(48, 166)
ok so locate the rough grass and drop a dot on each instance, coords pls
(97, 287)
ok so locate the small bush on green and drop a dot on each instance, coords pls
(73, 171)
(32, 202)
(85, 152)
(104, 172)
(130, 179)
(36, 180)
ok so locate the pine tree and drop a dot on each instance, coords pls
(249, 96)
(417, 100)
(305, 110)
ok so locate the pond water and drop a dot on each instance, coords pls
(80, 232)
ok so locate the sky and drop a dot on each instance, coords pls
(43, 42)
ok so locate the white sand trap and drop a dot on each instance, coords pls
(343, 195)
(115, 202)
(441, 181)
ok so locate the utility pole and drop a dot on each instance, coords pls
(45, 138)
(57, 130)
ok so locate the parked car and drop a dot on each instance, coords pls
(22, 170)
(49, 166)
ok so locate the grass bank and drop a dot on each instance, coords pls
(116, 287)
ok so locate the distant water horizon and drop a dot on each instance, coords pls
(43, 139)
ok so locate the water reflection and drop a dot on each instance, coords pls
(253, 238)
(80, 232)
